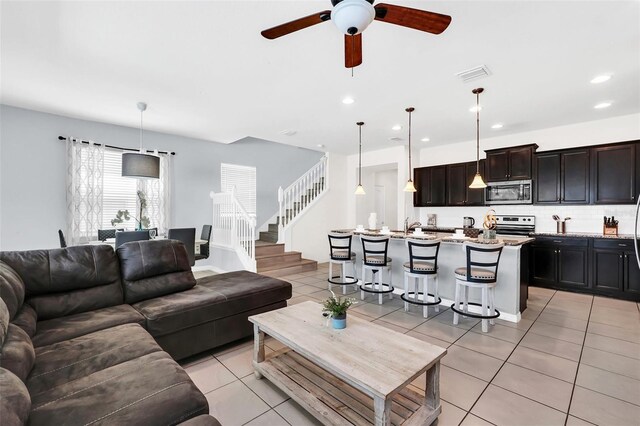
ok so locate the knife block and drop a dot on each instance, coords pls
(610, 230)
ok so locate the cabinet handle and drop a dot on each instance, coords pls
(622, 245)
(620, 256)
(556, 241)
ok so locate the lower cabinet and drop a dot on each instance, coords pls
(592, 265)
(560, 262)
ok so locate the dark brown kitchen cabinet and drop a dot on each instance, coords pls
(613, 174)
(459, 177)
(510, 164)
(560, 263)
(430, 185)
(614, 268)
(562, 177)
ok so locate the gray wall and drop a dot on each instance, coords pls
(33, 172)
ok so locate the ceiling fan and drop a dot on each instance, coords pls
(352, 17)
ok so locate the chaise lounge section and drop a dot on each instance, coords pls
(90, 336)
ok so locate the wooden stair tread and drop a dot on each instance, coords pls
(288, 264)
(286, 253)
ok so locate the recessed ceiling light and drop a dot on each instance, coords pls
(475, 109)
(320, 145)
(425, 139)
(288, 132)
(397, 127)
(497, 126)
(600, 79)
(348, 100)
(602, 105)
(395, 139)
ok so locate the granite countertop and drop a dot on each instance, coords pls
(443, 236)
(582, 235)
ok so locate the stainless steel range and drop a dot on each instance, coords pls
(515, 224)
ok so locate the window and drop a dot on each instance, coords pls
(242, 180)
(119, 193)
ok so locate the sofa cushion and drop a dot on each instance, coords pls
(59, 329)
(68, 281)
(214, 297)
(203, 420)
(15, 403)
(17, 353)
(11, 289)
(154, 268)
(4, 321)
(152, 389)
(70, 360)
(26, 319)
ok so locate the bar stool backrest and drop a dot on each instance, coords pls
(375, 249)
(423, 251)
(482, 256)
(340, 246)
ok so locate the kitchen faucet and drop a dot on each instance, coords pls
(408, 225)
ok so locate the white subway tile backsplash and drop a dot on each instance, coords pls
(583, 218)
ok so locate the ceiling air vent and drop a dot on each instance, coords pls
(474, 73)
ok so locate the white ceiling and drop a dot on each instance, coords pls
(206, 72)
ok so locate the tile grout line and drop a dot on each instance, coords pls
(573, 388)
(505, 361)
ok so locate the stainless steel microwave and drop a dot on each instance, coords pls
(510, 192)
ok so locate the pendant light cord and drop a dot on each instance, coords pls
(410, 110)
(477, 132)
(141, 114)
(360, 123)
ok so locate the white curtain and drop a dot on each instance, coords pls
(85, 172)
(158, 195)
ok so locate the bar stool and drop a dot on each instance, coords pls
(481, 272)
(341, 254)
(375, 259)
(421, 268)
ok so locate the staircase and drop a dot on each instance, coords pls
(271, 256)
(274, 261)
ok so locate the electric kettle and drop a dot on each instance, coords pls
(468, 222)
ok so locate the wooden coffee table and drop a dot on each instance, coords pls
(358, 375)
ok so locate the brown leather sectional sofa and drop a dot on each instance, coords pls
(90, 336)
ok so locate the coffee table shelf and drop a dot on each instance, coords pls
(333, 401)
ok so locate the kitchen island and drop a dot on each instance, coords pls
(513, 272)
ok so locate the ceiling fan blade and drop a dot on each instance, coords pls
(417, 19)
(296, 25)
(352, 50)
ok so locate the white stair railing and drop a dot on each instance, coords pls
(301, 194)
(233, 227)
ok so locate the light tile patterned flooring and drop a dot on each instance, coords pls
(573, 359)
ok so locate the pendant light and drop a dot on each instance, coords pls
(359, 188)
(478, 182)
(138, 164)
(409, 187)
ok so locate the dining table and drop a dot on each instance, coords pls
(112, 242)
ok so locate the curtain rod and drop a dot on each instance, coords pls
(64, 138)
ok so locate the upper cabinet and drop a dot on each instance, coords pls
(430, 185)
(510, 164)
(562, 177)
(614, 174)
(459, 177)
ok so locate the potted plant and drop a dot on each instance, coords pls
(336, 308)
(124, 215)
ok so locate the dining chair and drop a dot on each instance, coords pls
(103, 234)
(188, 237)
(63, 242)
(204, 247)
(129, 236)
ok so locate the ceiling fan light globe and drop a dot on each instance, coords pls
(350, 14)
